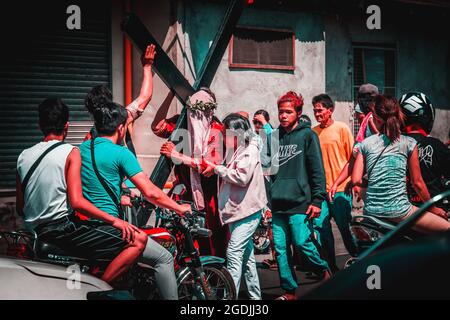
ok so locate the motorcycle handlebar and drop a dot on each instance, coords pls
(184, 220)
(202, 232)
(199, 213)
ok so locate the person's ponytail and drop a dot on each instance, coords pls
(388, 110)
(393, 128)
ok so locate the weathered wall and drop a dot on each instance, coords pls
(423, 56)
(158, 17)
(195, 26)
(323, 62)
(250, 90)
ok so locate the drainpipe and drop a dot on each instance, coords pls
(128, 61)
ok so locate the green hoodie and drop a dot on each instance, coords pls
(300, 180)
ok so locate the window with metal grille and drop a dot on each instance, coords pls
(374, 64)
(260, 48)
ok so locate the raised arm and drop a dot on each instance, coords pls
(137, 107)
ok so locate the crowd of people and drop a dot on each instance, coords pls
(301, 176)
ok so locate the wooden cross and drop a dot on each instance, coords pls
(174, 79)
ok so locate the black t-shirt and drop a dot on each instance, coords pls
(434, 158)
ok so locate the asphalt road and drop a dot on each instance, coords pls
(269, 279)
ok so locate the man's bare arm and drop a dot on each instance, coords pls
(137, 107)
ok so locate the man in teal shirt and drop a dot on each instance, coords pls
(114, 163)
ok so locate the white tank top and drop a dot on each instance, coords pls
(45, 196)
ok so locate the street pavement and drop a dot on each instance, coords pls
(269, 279)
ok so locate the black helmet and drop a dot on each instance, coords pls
(417, 108)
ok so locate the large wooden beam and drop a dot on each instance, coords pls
(163, 66)
(173, 78)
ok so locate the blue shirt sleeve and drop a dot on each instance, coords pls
(267, 128)
(129, 163)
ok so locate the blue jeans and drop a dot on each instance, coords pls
(240, 254)
(341, 210)
(297, 230)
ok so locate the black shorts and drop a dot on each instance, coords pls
(84, 239)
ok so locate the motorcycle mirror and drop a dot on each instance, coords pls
(179, 189)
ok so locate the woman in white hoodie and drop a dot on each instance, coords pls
(242, 199)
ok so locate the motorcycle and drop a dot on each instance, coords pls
(372, 233)
(198, 277)
(261, 239)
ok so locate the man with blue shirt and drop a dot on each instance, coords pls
(114, 163)
(49, 190)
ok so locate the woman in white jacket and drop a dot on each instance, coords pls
(242, 199)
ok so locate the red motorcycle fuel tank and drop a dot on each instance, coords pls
(164, 238)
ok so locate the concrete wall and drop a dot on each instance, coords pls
(189, 28)
(250, 89)
(158, 17)
(323, 61)
(423, 57)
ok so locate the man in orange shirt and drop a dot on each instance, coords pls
(336, 143)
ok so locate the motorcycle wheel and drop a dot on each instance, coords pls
(219, 280)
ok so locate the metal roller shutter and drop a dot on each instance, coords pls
(48, 60)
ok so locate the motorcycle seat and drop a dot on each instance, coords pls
(48, 251)
(380, 224)
(365, 219)
(44, 249)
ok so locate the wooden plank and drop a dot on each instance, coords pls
(173, 78)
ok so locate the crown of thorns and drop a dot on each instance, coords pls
(200, 105)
